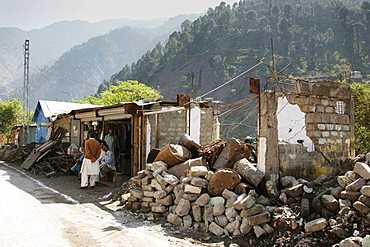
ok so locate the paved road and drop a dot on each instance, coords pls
(33, 214)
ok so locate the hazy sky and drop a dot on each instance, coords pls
(30, 14)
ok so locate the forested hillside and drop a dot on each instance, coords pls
(80, 70)
(319, 39)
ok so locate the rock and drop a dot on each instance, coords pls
(183, 169)
(336, 192)
(183, 207)
(295, 190)
(167, 200)
(326, 213)
(317, 205)
(158, 164)
(230, 201)
(362, 169)
(198, 171)
(242, 188)
(352, 175)
(159, 194)
(199, 182)
(230, 213)
(147, 187)
(305, 207)
(192, 189)
(245, 227)
(330, 202)
(148, 193)
(190, 197)
(271, 188)
(343, 181)
(169, 178)
(256, 209)
(259, 231)
(197, 213)
(307, 189)
(169, 188)
(263, 200)
(136, 180)
(188, 221)
(268, 229)
(365, 200)
(349, 242)
(365, 190)
(136, 206)
(179, 196)
(259, 219)
(287, 181)
(203, 200)
(227, 194)
(141, 174)
(154, 183)
(136, 193)
(356, 185)
(315, 225)
(209, 175)
(340, 232)
(344, 203)
(174, 219)
(344, 211)
(208, 213)
(362, 208)
(283, 197)
(247, 202)
(218, 209)
(159, 209)
(161, 181)
(215, 229)
(159, 170)
(237, 204)
(217, 200)
(233, 226)
(350, 195)
(248, 172)
(145, 181)
(147, 199)
(221, 220)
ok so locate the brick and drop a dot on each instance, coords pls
(256, 209)
(221, 220)
(362, 208)
(197, 213)
(183, 207)
(330, 202)
(159, 209)
(203, 200)
(362, 169)
(315, 225)
(174, 219)
(188, 221)
(259, 231)
(356, 185)
(199, 182)
(136, 193)
(365, 190)
(167, 200)
(192, 189)
(216, 229)
(218, 209)
(198, 171)
(259, 219)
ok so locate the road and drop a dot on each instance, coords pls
(33, 214)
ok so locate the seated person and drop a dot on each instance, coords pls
(107, 163)
(77, 167)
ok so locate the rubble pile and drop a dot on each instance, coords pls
(237, 200)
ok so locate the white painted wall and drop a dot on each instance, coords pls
(148, 135)
(195, 124)
(291, 123)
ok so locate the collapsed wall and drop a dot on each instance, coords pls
(317, 115)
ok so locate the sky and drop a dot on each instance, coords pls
(31, 14)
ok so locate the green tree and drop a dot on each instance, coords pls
(124, 91)
(361, 96)
(11, 114)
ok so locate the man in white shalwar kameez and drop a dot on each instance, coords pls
(90, 164)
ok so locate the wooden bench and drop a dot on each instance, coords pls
(115, 177)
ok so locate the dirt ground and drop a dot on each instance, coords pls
(70, 186)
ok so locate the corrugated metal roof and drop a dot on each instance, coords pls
(54, 108)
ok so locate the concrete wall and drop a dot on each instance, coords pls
(311, 113)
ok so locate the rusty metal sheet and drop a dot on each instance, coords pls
(254, 85)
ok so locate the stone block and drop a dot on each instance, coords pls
(365, 190)
(167, 200)
(268, 229)
(230, 201)
(233, 226)
(198, 171)
(147, 187)
(271, 188)
(147, 199)
(197, 213)
(315, 225)
(350, 195)
(350, 242)
(136, 206)
(237, 204)
(215, 229)
(158, 164)
(330, 202)
(157, 186)
(159, 209)
(218, 209)
(208, 213)
(343, 181)
(203, 200)
(344, 203)
(221, 220)
(263, 200)
(230, 213)
(245, 227)
(227, 194)
(136, 180)
(169, 188)
(259, 219)
(183, 207)
(362, 169)
(159, 170)
(169, 178)
(179, 196)
(365, 200)
(145, 181)
(137, 193)
(295, 190)
(199, 182)
(148, 193)
(174, 219)
(259, 231)
(288, 181)
(361, 207)
(336, 192)
(188, 221)
(161, 181)
(159, 194)
(190, 197)
(192, 189)
(356, 185)
(256, 209)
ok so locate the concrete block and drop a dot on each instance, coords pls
(203, 200)
(362, 169)
(216, 229)
(316, 225)
(183, 207)
(192, 189)
(259, 219)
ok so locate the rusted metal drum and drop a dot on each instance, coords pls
(224, 178)
(173, 154)
(152, 155)
(189, 143)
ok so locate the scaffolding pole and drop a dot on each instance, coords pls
(25, 91)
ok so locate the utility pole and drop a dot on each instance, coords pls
(25, 91)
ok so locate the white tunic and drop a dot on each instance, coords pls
(90, 168)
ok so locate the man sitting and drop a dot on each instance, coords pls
(107, 163)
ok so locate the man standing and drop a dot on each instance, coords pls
(112, 140)
(90, 164)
